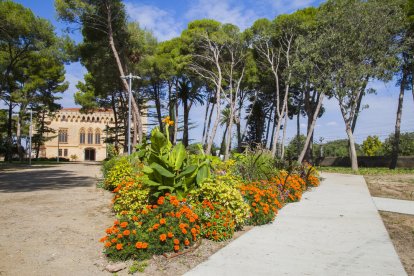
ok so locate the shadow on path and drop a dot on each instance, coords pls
(38, 179)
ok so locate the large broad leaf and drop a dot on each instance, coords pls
(203, 173)
(147, 170)
(162, 171)
(158, 140)
(187, 171)
(166, 188)
(151, 183)
(178, 155)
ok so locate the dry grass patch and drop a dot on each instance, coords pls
(401, 230)
(397, 186)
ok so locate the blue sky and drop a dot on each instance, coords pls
(166, 19)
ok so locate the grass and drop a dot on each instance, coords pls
(366, 171)
(137, 267)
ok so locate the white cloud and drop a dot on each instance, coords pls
(222, 10)
(162, 23)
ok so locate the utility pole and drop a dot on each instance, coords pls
(129, 78)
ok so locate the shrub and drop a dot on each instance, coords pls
(119, 169)
(130, 196)
(264, 201)
(168, 226)
(227, 196)
(291, 186)
(217, 222)
(255, 165)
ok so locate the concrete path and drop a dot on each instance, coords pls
(334, 230)
(394, 205)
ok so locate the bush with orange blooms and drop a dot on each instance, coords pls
(217, 222)
(170, 225)
(292, 186)
(264, 200)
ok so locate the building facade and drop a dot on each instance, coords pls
(78, 136)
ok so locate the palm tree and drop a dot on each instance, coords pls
(188, 93)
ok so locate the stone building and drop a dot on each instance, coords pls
(80, 136)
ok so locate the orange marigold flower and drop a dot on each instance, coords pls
(138, 245)
(114, 240)
(135, 218)
(170, 235)
(108, 244)
(163, 221)
(134, 231)
(192, 219)
(119, 246)
(163, 237)
(119, 236)
(187, 242)
(176, 241)
(193, 231)
(124, 224)
(184, 231)
(116, 222)
(144, 245)
(126, 232)
(155, 227)
(103, 239)
(176, 247)
(254, 204)
(160, 200)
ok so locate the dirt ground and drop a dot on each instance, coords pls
(52, 218)
(397, 186)
(401, 230)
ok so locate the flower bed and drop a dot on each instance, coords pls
(166, 199)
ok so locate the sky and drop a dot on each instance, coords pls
(166, 19)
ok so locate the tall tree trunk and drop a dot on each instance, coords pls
(358, 108)
(298, 133)
(353, 156)
(209, 124)
(309, 149)
(9, 144)
(229, 133)
(113, 105)
(223, 141)
(186, 118)
(157, 101)
(19, 137)
(239, 135)
(176, 123)
(205, 118)
(282, 156)
(309, 135)
(125, 84)
(396, 145)
(41, 132)
(268, 127)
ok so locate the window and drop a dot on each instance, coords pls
(65, 152)
(90, 136)
(82, 136)
(97, 136)
(60, 152)
(63, 136)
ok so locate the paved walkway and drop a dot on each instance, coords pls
(334, 230)
(394, 205)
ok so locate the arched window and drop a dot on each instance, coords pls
(90, 136)
(82, 136)
(97, 136)
(63, 136)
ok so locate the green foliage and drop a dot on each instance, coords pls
(406, 146)
(115, 170)
(131, 197)
(337, 148)
(367, 171)
(219, 192)
(137, 267)
(295, 147)
(372, 146)
(170, 169)
(255, 165)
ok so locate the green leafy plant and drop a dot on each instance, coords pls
(137, 267)
(255, 165)
(130, 197)
(227, 196)
(119, 169)
(170, 169)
